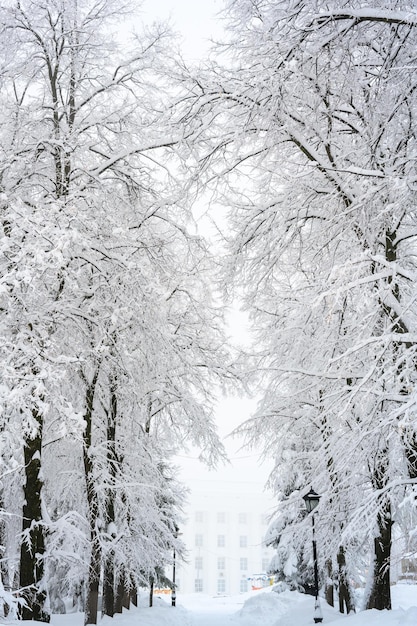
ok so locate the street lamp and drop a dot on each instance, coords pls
(174, 593)
(174, 558)
(311, 500)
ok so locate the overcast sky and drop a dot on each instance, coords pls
(194, 19)
(197, 23)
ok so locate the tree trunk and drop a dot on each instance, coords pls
(122, 593)
(380, 596)
(345, 590)
(151, 592)
(93, 582)
(410, 448)
(126, 599)
(78, 599)
(108, 586)
(33, 542)
(4, 570)
(108, 577)
(133, 593)
(329, 587)
(120, 590)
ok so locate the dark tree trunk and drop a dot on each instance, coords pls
(410, 447)
(345, 591)
(108, 586)
(126, 599)
(380, 595)
(108, 577)
(134, 596)
(120, 591)
(151, 592)
(78, 598)
(329, 587)
(4, 570)
(33, 542)
(93, 582)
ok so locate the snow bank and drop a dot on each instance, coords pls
(410, 617)
(161, 614)
(373, 617)
(266, 607)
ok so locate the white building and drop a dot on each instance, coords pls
(224, 531)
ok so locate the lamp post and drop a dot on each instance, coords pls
(174, 558)
(311, 500)
(174, 592)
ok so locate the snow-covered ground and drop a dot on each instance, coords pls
(260, 608)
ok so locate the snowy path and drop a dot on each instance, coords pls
(203, 619)
(287, 609)
(272, 610)
(263, 609)
(207, 611)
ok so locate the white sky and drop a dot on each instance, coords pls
(195, 20)
(198, 23)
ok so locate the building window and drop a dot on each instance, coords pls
(199, 517)
(243, 585)
(221, 541)
(221, 585)
(198, 585)
(221, 562)
(243, 518)
(199, 562)
(243, 541)
(244, 564)
(199, 540)
(221, 517)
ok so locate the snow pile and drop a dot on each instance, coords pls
(410, 618)
(397, 617)
(161, 614)
(268, 607)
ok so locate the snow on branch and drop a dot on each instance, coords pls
(369, 15)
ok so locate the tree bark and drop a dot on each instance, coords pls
(120, 589)
(108, 576)
(126, 599)
(33, 543)
(329, 587)
(4, 570)
(345, 590)
(108, 586)
(93, 582)
(410, 448)
(133, 592)
(151, 592)
(122, 593)
(380, 595)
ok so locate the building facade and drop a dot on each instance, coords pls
(224, 537)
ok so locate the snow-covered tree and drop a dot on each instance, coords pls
(309, 135)
(111, 345)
